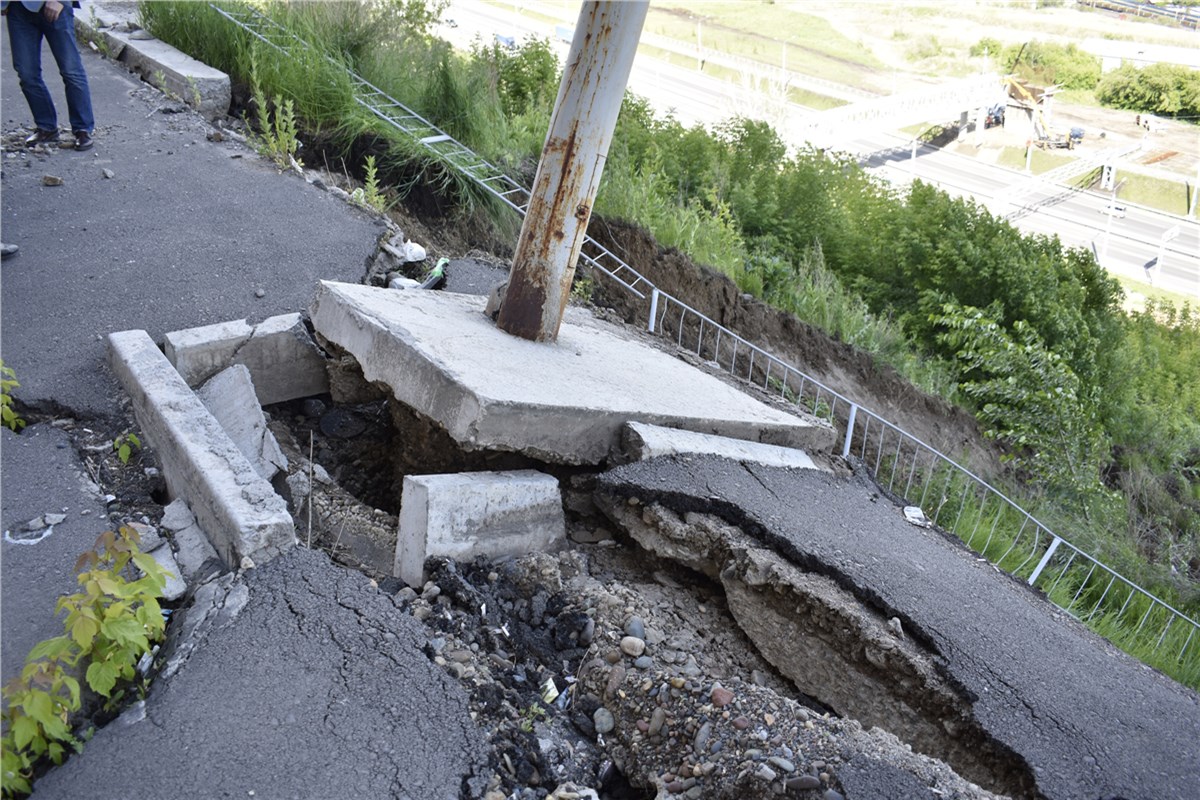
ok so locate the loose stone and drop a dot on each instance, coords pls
(830, 794)
(741, 723)
(633, 646)
(803, 783)
(782, 763)
(657, 720)
(701, 740)
(765, 773)
(644, 662)
(721, 696)
(635, 627)
(603, 720)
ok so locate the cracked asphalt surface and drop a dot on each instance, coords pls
(318, 688)
(1088, 720)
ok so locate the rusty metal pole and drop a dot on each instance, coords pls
(585, 114)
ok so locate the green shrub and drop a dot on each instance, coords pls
(1166, 89)
(109, 626)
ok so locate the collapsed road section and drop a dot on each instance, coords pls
(901, 627)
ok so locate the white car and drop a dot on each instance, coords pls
(1114, 210)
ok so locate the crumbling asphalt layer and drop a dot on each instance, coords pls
(318, 688)
(1087, 720)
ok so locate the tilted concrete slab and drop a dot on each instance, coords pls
(562, 402)
(640, 441)
(284, 362)
(229, 397)
(231, 501)
(471, 514)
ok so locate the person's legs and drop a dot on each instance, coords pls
(25, 43)
(60, 35)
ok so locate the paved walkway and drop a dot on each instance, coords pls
(313, 689)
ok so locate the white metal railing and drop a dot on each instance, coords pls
(887, 451)
(949, 494)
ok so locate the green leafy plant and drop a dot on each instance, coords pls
(110, 625)
(531, 715)
(124, 445)
(369, 193)
(278, 137)
(8, 381)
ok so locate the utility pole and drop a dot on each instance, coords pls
(568, 175)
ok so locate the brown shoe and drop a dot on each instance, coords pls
(83, 140)
(41, 136)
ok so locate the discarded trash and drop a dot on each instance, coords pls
(401, 282)
(413, 252)
(916, 516)
(438, 276)
(51, 180)
(549, 691)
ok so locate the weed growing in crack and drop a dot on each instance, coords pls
(124, 445)
(8, 417)
(110, 624)
(369, 193)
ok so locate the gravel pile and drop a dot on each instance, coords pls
(602, 672)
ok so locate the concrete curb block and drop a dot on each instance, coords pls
(232, 503)
(200, 86)
(640, 441)
(284, 361)
(469, 514)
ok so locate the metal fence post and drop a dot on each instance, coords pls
(1037, 571)
(849, 430)
(653, 310)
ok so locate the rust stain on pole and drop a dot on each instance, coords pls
(585, 114)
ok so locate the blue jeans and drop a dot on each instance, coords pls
(26, 29)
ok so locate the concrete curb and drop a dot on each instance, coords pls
(117, 32)
(232, 503)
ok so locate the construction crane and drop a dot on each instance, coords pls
(1030, 98)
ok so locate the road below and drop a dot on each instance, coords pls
(1131, 248)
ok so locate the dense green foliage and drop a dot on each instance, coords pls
(1096, 409)
(1165, 89)
(1044, 63)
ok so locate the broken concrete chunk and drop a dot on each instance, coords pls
(200, 353)
(284, 360)
(177, 516)
(229, 396)
(199, 461)
(640, 441)
(175, 586)
(469, 514)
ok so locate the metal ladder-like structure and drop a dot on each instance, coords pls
(444, 147)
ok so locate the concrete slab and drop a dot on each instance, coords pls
(640, 441)
(232, 503)
(229, 396)
(563, 402)
(284, 361)
(470, 514)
